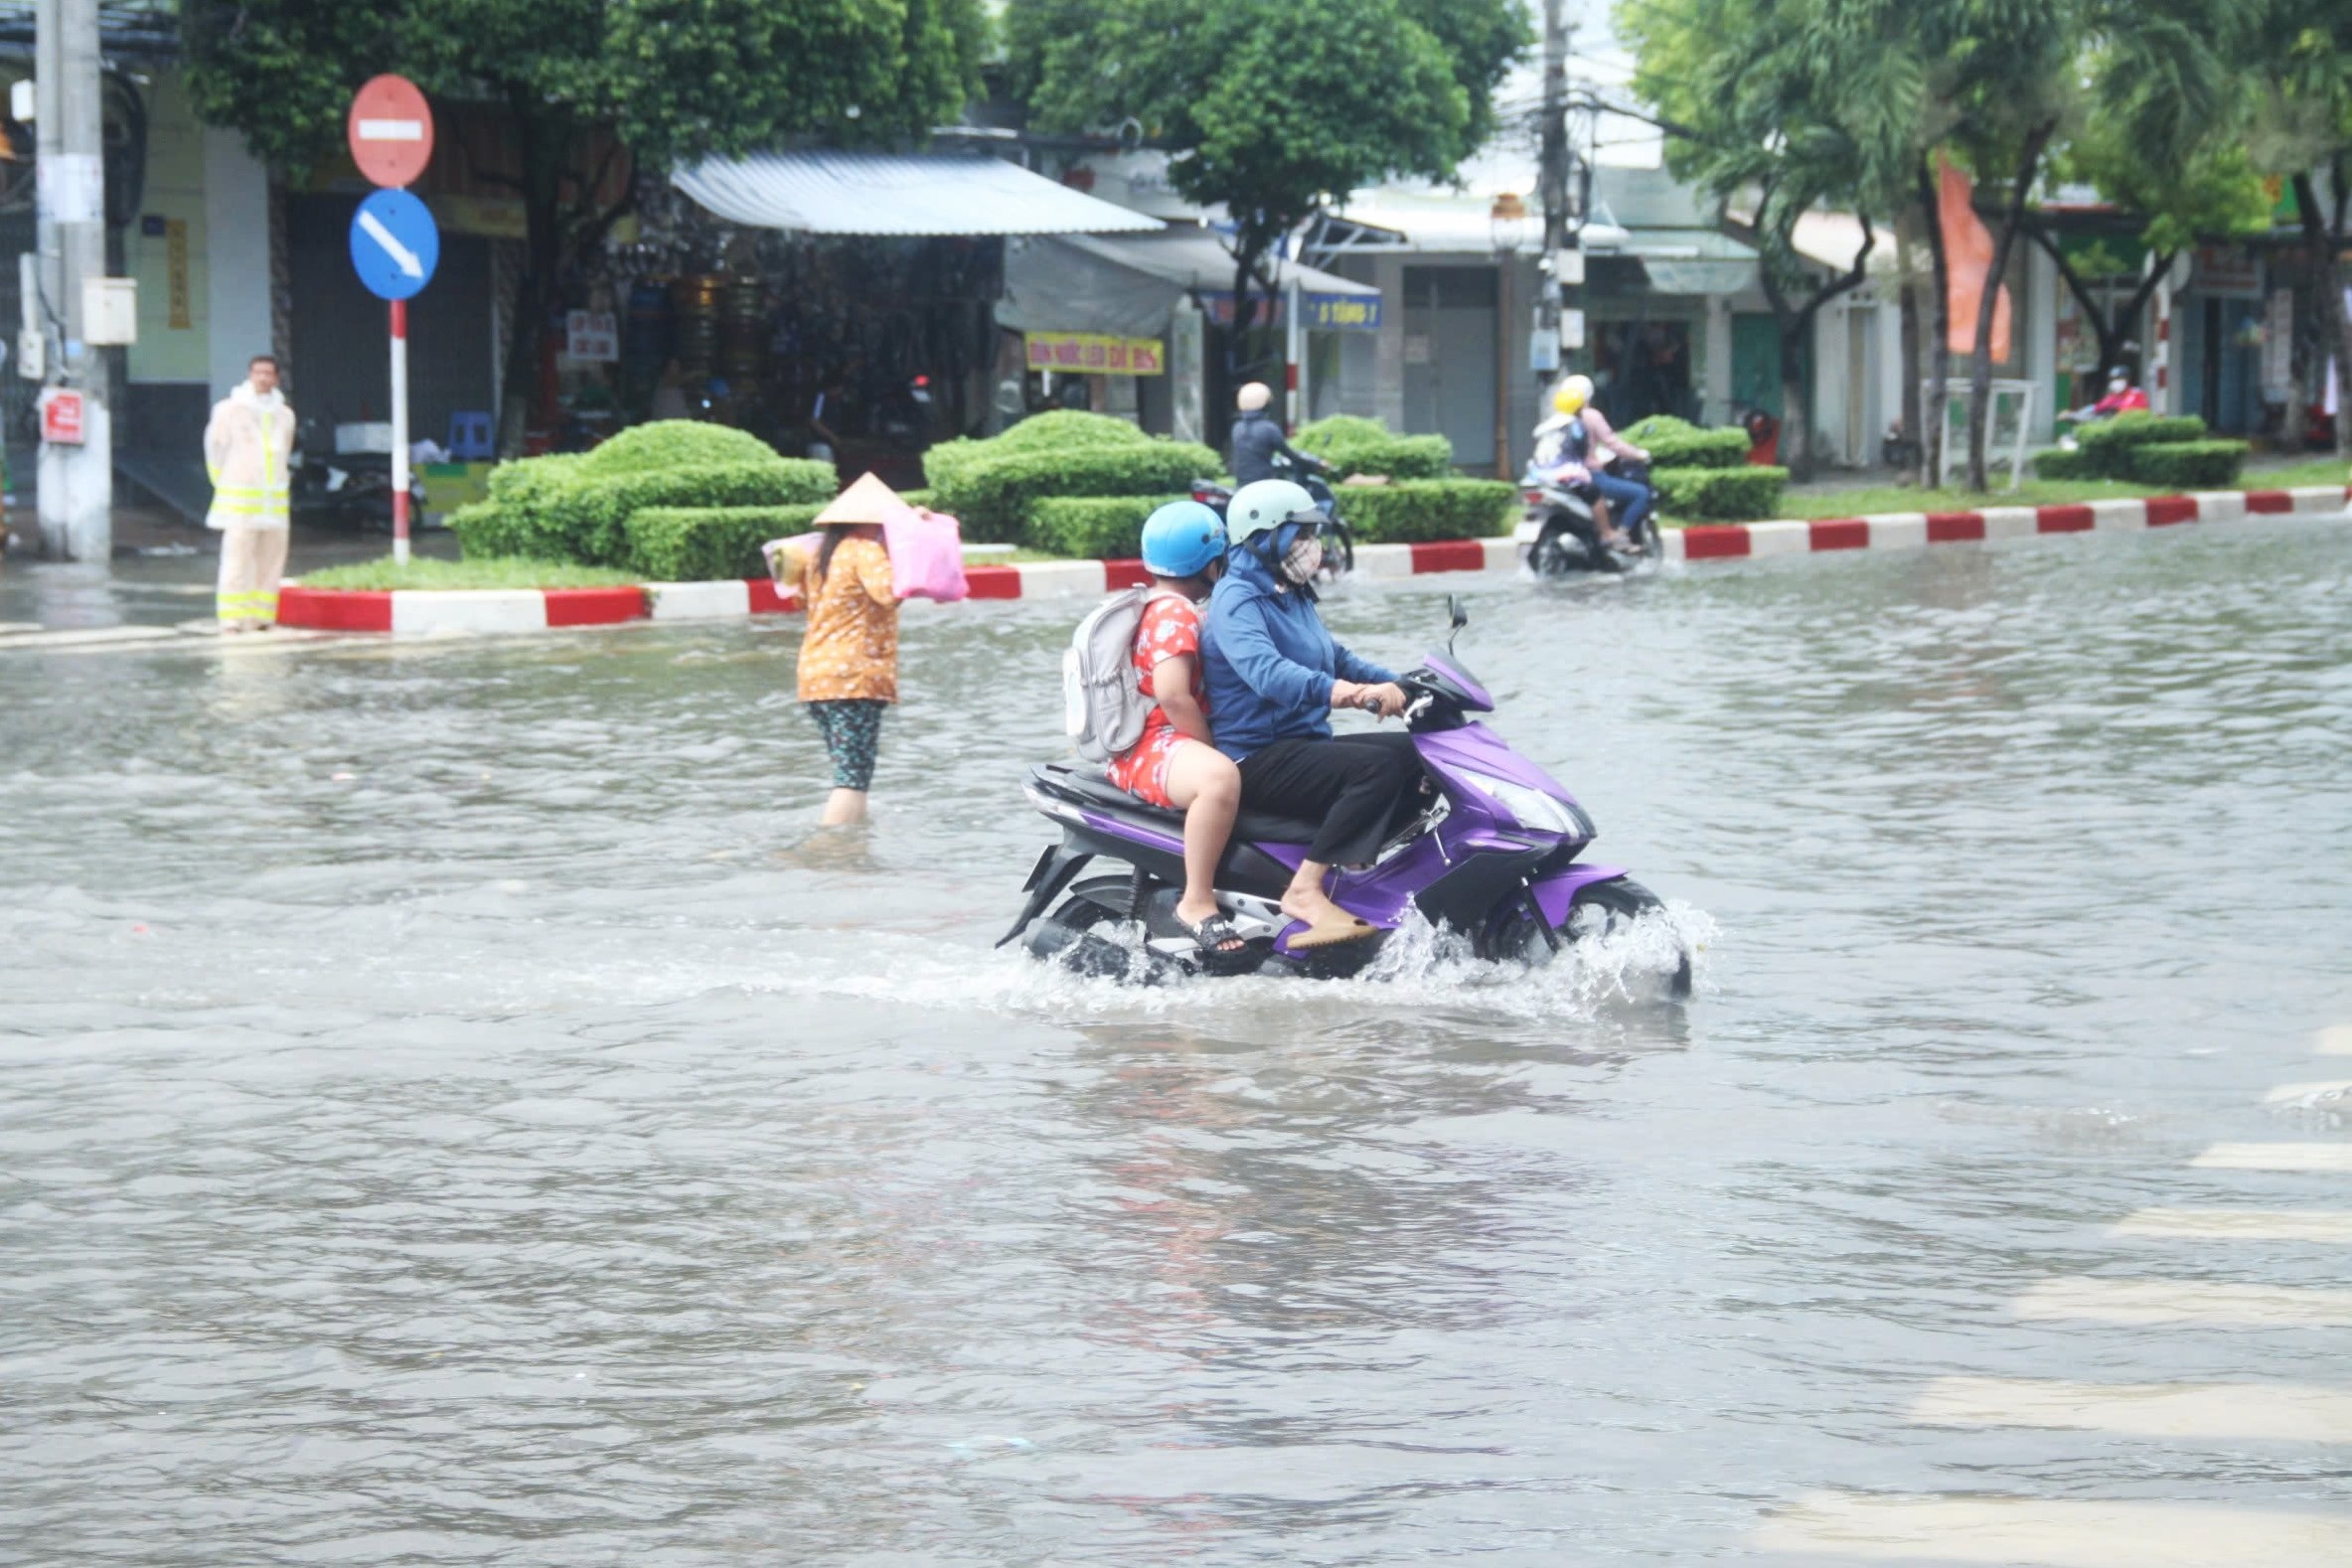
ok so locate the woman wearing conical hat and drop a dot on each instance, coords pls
(848, 657)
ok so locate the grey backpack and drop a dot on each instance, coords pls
(1102, 698)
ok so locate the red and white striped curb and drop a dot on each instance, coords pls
(410, 612)
(416, 612)
(1902, 529)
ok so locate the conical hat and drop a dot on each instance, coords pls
(866, 500)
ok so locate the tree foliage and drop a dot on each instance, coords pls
(674, 79)
(2296, 58)
(1844, 102)
(1270, 109)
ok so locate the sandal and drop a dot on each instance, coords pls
(1216, 937)
(1330, 933)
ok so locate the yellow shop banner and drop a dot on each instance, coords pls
(1095, 354)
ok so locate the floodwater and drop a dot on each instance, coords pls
(456, 1112)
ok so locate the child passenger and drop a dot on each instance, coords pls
(1174, 765)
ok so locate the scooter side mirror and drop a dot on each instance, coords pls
(1455, 616)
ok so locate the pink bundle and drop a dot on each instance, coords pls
(926, 555)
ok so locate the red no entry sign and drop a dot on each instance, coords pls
(391, 131)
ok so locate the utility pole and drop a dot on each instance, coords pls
(1563, 264)
(1553, 169)
(76, 479)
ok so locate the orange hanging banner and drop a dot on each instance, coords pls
(1967, 258)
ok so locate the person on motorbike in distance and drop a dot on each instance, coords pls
(1259, 449)
(1175, 763)
(1275, 675)
(1580, 437)
(2122, 397)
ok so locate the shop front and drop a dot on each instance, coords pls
(1138, 327)
(834, 303)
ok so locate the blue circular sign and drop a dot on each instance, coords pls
(394, 244)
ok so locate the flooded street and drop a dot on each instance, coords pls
(456, 1113)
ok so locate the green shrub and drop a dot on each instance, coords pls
(1427, 508)
(485, 528)
(709, 544)
(675, 443)
(590, 516)
(1678, 443)
(2185, 465)
(1061, 429)
(991, 488)
(1719, 495)
(1101, 528)
(2061, 463)
(2106, 445)
(572, 507)
(521, 521)
(1365, 446)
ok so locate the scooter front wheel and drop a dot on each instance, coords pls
(1599, 913)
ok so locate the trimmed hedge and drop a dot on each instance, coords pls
(575, 507)
(1678, 443)
(2106, 445)
(1061, 429)
(2185, 465)
(1719, 495)
(1412, 510)
(591, 515)
(709, 544)
(1365, 446)
(673, 444)
(2063, 464)
(991, 486)
(485, 528)
(1100, 528)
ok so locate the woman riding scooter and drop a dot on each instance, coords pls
(1579, 435)
(1275, 675)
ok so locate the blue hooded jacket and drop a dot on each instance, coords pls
(1270, 662)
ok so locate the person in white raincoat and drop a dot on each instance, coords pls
(246, 445)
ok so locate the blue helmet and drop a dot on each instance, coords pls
(1182, 539)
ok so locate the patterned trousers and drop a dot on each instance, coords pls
(852, 731)
(253, 559)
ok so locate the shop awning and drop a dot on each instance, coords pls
(1128, 286)
(880, 193)
(1689, 260)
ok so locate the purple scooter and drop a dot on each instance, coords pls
(1487, 844)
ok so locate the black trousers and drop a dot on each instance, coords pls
(1351, 784)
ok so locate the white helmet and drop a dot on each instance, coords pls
(1264, 505)
(1253, 396)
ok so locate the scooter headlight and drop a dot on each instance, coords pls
(1530, 808)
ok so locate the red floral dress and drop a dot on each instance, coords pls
(1169, 629)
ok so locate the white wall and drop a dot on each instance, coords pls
(237, 272)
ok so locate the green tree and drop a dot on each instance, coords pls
(672, 78)
(2296, 58)
(1270, 111)
(1779, 106)
(2217, 193)
(2024, 73)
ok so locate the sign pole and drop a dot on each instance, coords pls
(400, 433)
(394, 242)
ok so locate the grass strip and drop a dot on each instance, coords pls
(492, 571)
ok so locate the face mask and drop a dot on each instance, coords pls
(1303, 560)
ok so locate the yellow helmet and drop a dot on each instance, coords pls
(1574, 393)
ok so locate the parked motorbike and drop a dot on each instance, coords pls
(1338, 541)
(1558, 534)
(1487, 845)
(346, 490)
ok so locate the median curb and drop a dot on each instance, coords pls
(1905, 529)
(410, 612)
(461, 613)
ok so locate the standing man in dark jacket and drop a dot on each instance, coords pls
(1259, 450)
